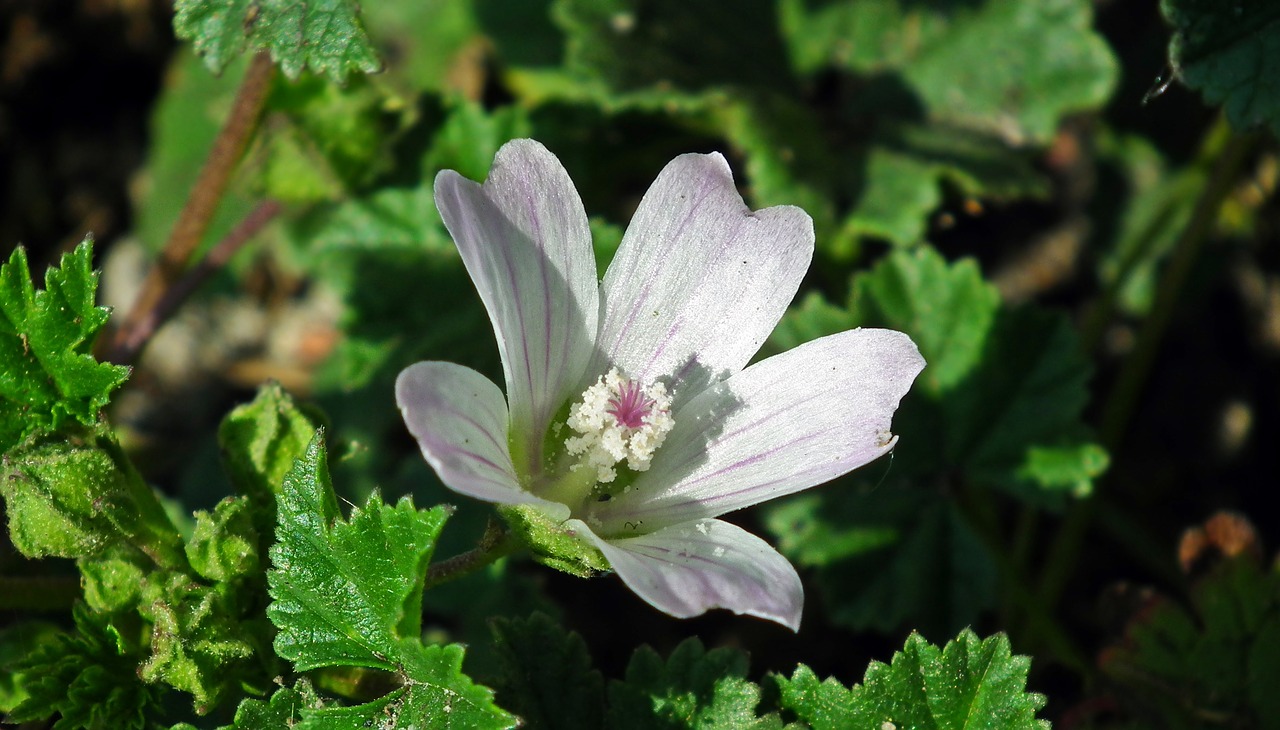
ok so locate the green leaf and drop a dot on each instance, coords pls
(345, 591)
(1231, 53)
(1005, 401)
(970, 683)
(1216, 658)
(113, 580)
(663, 46)
(1002, 67)
(89, 677)
(546, 676)
(325, 141)
(436, 696)
(694, 688)
(224, 545)
(74, 498)
(893, 556)
(259, 442)
(281, 712)
(197, 643)
(325, 36)
(19, 640)
(48, 376)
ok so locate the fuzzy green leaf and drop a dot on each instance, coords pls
(326, 36)
(349, 593)
(19, 640)
(197, 643)
(1230, 51)
(694, 688)
(73, 499)
(224, 545)
(546, 675)
(259, 442)
(48, 377)
(971, 683)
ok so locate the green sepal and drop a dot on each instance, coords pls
(553, 544)
(72, 497)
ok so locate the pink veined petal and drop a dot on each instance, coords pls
(524, 238)
(686, 569)
(784, 424)
(699, 281)
(459, 418)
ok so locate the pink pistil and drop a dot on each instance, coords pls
(631, 405)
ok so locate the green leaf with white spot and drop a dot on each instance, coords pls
(971, 683)
(693, 688)
(48, 375)
(1230, 52)
(326, 36)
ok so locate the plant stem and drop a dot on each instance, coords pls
(137, 332)
(193, 221)
(46, 593)
(496, 543)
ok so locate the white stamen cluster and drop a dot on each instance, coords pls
(618, 420)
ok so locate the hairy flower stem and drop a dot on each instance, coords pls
(193, 221)
(497, 542)
(1121, 401)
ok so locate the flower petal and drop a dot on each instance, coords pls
(699, 281)
(460, 420)
(782, 425)
(525, 241)
(686, 569)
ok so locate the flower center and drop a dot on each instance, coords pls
(619, 419)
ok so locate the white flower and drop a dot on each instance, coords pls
(631, 418)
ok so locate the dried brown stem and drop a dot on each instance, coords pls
(201, 204)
